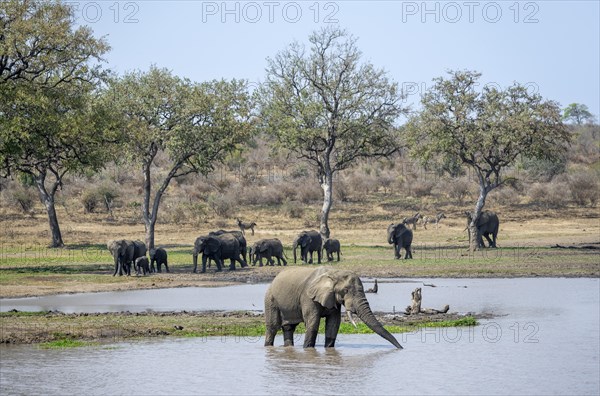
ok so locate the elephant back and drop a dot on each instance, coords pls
(230, 246)
(139, 249)
(316, 240)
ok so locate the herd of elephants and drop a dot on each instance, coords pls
(301, 294)
(222, 245)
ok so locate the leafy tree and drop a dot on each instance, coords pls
(578, 114)
(51, 122)
(328, 108)
(486, 131)
(193, 124)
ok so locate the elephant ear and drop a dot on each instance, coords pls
(321, 291)
(263, 247)
(305, 241)
(212, 245)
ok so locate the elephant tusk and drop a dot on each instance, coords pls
(351, 318)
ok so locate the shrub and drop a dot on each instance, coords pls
(506, 196)
(362, 184)
(341, 190)
(422, 188)
(458, 189)
(269, 195)
(103, 195)
(292, 209)
(89, 201)
(222, 204)
(550, 195)
(584, 187)
(23, 198)
(308, 192)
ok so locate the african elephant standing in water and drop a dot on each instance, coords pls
(309, 294)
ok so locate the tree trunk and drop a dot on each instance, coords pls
(48, 201)
(473, 232)
(327, 186)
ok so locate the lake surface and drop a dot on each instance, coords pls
(545, 341)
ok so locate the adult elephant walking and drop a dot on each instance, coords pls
(309, 242)
(267, 248)
(239, 236)
(124, 253)
(309, 294)
(218, 248)
(401, 237)
(487, 224)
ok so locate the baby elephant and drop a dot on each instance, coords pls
(141, 264)
(332, 246)
(158, 256)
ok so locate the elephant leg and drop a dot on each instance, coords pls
(272, 321)
(271, 261)
(311, 321)
(310, 261)
(116, 267)
(204, 258)
(338, 255)
(408, 254)
(232, 265)
(220, 263)
(332, 325)
(288, 334)
(396, 250)
(260, 264)
(166, 267)
(487, 236)
(319, 254)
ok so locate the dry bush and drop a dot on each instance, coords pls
(268, 195)
(386, 181)
(584, 187)
(21, 197)
(549, 195)
(222, 204)
(506, 196)
(185, 212)
(103, 195)
(422, 188)
(362, 184)
(308, 191)
(341, 190)
(292, 209)
(458, 189)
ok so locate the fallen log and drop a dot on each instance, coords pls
(415, 307)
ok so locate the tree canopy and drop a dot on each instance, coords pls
(329, 108)
(51, 122)
(195, 124)
(578, 114)
(485, 130)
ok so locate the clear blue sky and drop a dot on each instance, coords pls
(554, 46)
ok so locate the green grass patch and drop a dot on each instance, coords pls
(64, 343)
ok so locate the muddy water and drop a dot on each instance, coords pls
(547, 343)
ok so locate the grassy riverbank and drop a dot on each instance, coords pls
(52, 329)
(26, 272)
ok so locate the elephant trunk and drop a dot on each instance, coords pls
(366, 315)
